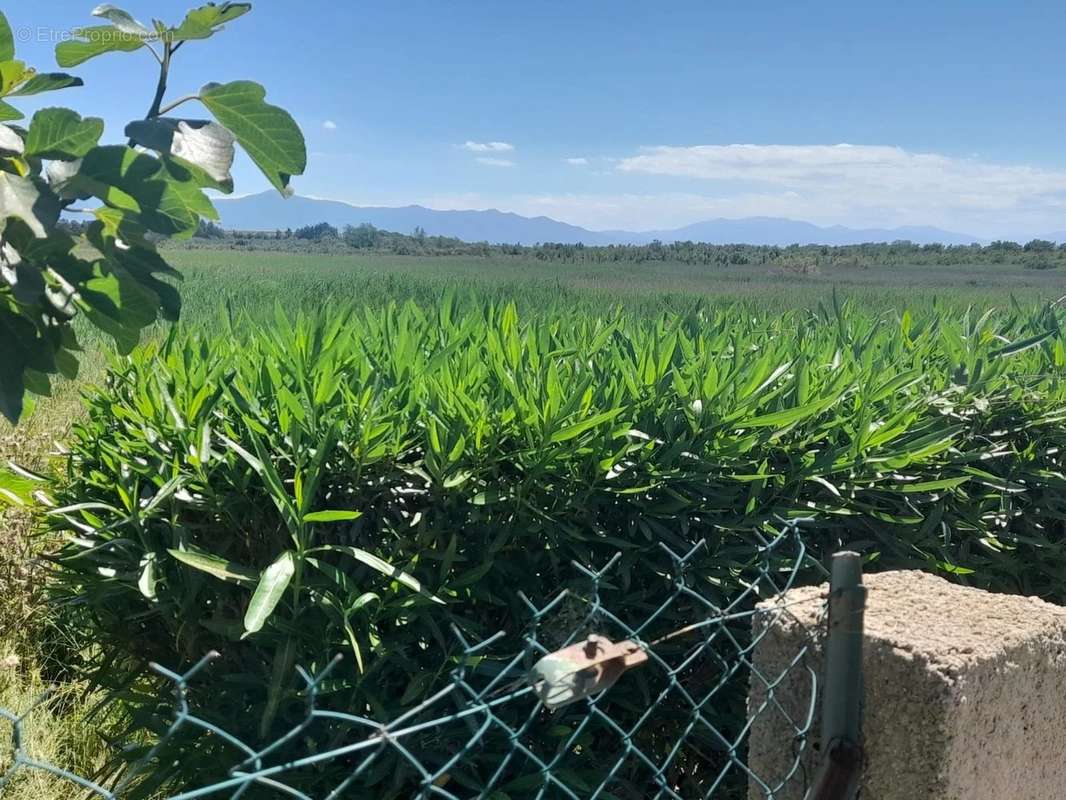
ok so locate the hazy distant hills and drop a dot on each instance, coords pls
(269, 211)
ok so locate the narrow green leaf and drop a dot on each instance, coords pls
(575, 430)
(280, 675)
(1021, 346)
(331, 516)
(934, 486)
(148, 579)
(216, 566)
(382, 566)
(790, 416)
(268, 593)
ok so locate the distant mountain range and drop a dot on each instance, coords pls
(269, 211)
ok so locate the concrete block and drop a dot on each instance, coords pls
(964, 693)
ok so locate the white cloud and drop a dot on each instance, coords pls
(870, 184)
(576, 162)
(858, 186)
(488, 147)
(329, 125)
(494, 162)
(658, 211)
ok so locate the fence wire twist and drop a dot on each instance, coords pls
(695, 750)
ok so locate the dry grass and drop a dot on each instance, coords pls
(56, 730)
(21, 584)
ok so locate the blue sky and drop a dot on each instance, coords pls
(640, 115)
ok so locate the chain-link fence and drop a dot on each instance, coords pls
(544, 718)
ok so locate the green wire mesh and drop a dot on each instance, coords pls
(486, 733)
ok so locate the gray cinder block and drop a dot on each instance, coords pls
(964, 695)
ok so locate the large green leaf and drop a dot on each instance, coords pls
(202, 22)
(126, 179)
(7, 39)
(116, 293)
(268, 593)
(94, 41)
(59, 133)
(47, 82)
(267, 133)
(216, 566)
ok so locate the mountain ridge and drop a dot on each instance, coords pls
(269, 211)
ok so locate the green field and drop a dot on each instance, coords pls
(956, 327)
(252, 282)
(254, 279)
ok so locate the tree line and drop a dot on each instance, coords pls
(326, 238)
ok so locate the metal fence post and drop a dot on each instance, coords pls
(838, 777)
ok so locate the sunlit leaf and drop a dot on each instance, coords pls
(382, 566)
(22, 198)
(271, 588)
(47, 82)
(122, 20)
(216, 566)
(86, 43)
(59, 133)
(202, 22)
(267, 133)
(331, 516)
(205, 145)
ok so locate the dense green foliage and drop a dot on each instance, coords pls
(151, 186)
(355, 482)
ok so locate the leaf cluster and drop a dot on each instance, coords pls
(152, 186)
(358, 481)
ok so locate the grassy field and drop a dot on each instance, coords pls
(254, 279)
(254, 283)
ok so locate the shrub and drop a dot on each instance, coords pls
(358, 481)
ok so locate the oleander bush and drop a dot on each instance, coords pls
(359, 481)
